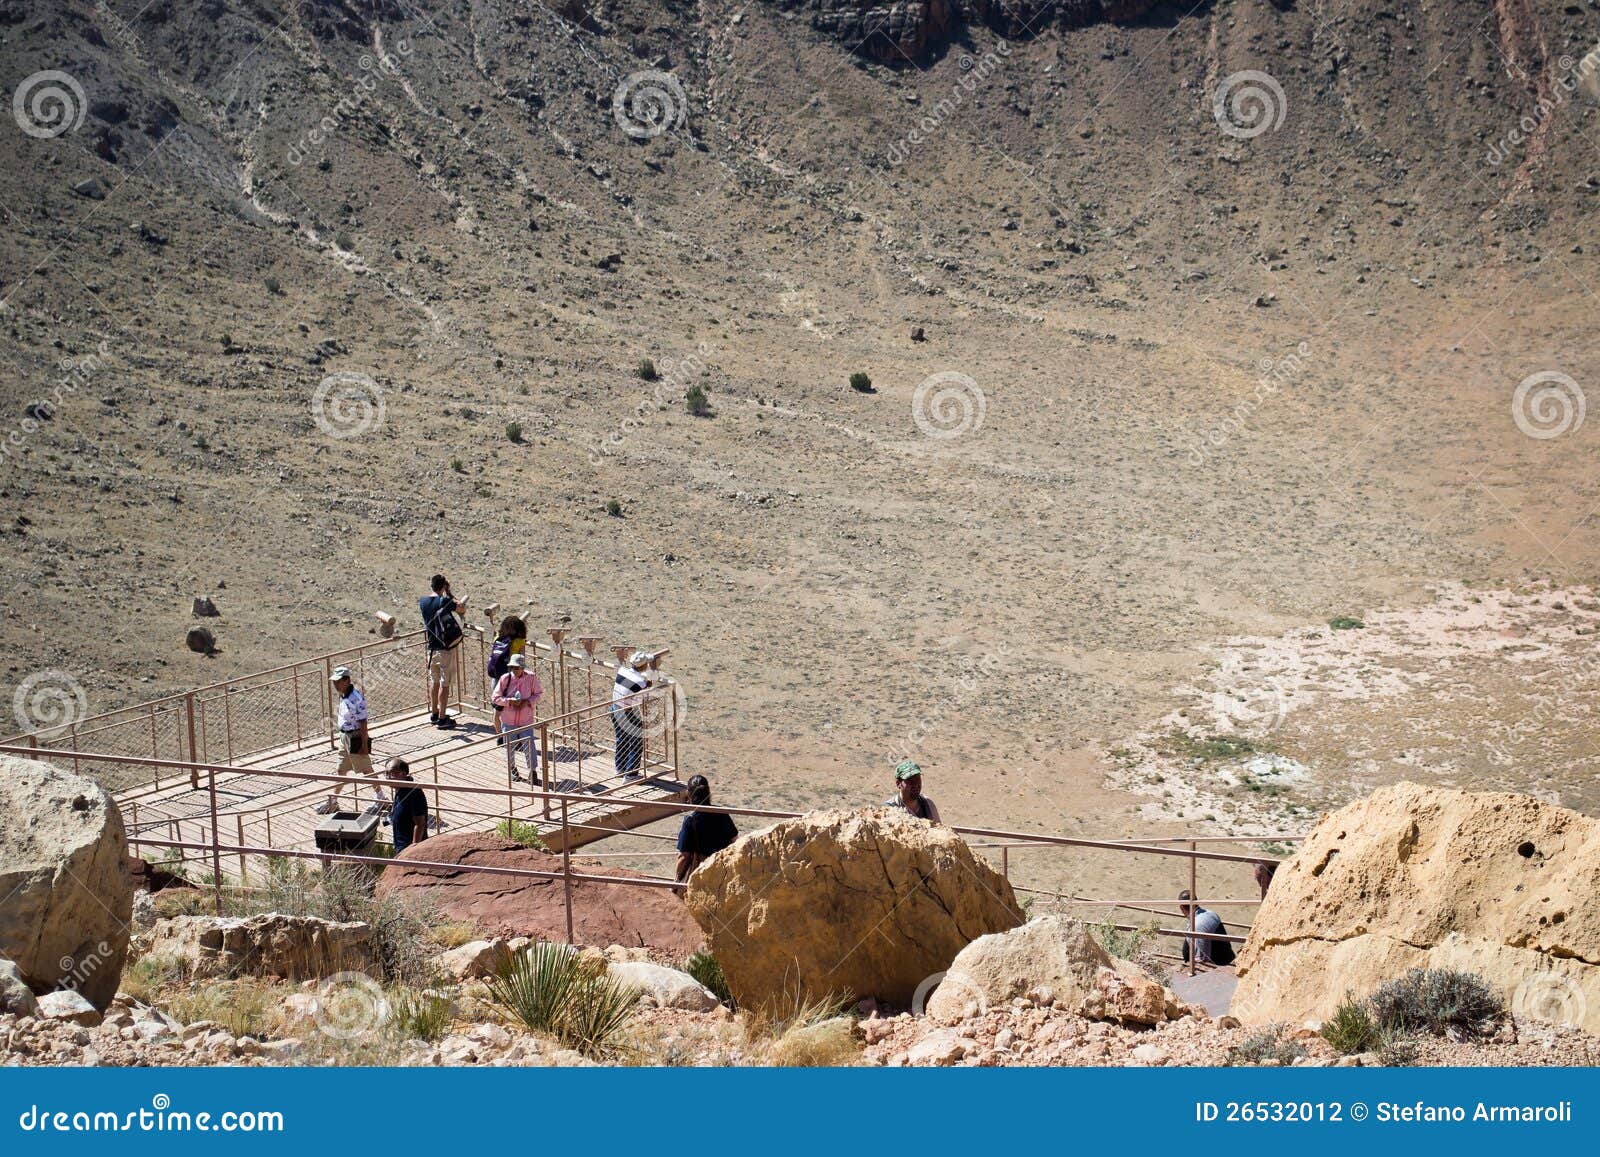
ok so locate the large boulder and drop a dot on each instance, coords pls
(866, 903)
(65, 893)
(1503, 885)
(1051, 959)
(509, 906)
(271, 944)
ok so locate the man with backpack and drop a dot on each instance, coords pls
(1206, 950)
(516, 697)
(439, 611)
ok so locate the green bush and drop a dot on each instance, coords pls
(704, 967)
(550, 990)
(418, 1015)
(1351, 1028)
(514, 432)
(1121, 942)
(1267, 1045)
(1345, 623)
(523, 833)
(1441, 1001)
(695, 398)
(614, 508)
(860, 383)
(647, 370)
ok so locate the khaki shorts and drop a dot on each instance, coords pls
(358, 761)
(441, 667)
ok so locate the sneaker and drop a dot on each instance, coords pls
(446, 724)
(500, 741)
(518, 777)
(433, 717)
(327, 806)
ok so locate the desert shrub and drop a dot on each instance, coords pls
(344, 893)
(147, 977)
(244, 1007)
(648, 371)
(418, 1015)
(1268, 1044)
(791, 1009)
(457, 466)
(830, 1043)
(704, 967)
(514, 433)
(1351, 1028)
(860, 383)
(274, 286)
(1441, 1001)
(614, 508)
(550, 990)
(523, 833)
(695, 398)
(1395, 1049)
(1345, 623)
(453, 933)
(1120, 941)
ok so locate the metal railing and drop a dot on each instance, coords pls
(554, 808)
(292, 707)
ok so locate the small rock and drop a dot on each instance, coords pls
(200, 641)
(16, 997)
(1150, 1054)
(204, 608)
(90, 188)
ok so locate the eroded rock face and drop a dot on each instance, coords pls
(271, 944)
(862, 903)
(65, 894)
(1051, 959)
(1490, 882)
(905, 31)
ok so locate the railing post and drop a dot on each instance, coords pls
(566, 865)
(299, 734)
(227, 721)
(1005, 861)
(244, 871)
(155, 751)
(216, 840)
(1194, 905)
(194, 754)
(544, 763)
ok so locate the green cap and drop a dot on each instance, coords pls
(906, 768)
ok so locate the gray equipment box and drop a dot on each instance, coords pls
(346, 832)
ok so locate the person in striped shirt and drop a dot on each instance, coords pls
(627, 715)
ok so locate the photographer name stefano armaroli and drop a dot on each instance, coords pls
(1423, 1113)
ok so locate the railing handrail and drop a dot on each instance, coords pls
(533, 793)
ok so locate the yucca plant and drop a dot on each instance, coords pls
(536, 986)
(550, 990)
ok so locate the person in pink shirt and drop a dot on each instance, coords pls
(517, 695)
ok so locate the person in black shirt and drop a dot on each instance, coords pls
(703, 834)
(409, 815)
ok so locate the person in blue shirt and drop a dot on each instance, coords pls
(703, 834)
(409, 815)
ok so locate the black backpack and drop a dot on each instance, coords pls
(444, 632)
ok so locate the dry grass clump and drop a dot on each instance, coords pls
(243, 1007)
